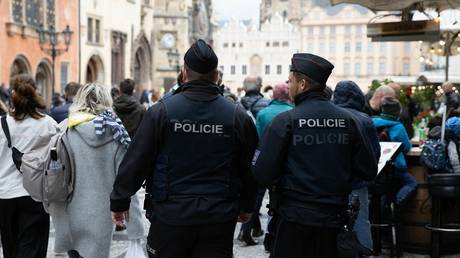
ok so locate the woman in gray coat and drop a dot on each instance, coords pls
(98, 141)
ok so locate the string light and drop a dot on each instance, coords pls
(442, 42)
(421, 59)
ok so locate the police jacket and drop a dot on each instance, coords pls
(194, 150)
(311, 153)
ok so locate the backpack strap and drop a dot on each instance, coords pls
(6, 130)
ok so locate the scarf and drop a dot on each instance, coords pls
(109, 120)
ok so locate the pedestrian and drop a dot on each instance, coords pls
(98, 142)
(253, 101)
(115, 93)
(408, 112)
(154, 97)
(372, 105)
(200, 146)
(452, 99)
(310, 154)
(128, 108)
(279, 104)
(388, 120)
(348, 95)
(60, 113)
(24, 224)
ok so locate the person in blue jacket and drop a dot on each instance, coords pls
(390, 111)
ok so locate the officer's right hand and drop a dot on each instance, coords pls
(244, 217)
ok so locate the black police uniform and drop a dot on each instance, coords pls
(310, 153)
(194, 150)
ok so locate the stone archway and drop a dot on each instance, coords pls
(44, 80)
(19, 66)
(95, 70)
(142, 64)
(256, 66)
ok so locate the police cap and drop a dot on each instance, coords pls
(201, 58)
(313, 66)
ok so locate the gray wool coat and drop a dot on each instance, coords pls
(85, 225)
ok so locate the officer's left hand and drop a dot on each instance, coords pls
(119, 218)
(244, 217)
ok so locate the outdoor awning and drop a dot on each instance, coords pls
(396, 5)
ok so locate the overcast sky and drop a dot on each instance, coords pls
(241, 9)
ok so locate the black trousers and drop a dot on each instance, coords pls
(24, 228)
(197, 241)
(293, 240)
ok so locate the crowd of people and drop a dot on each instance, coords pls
(206, 159)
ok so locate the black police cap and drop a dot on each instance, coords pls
(313, 66)
(201, 58)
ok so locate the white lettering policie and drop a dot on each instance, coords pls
(324, 122)
(198, 128)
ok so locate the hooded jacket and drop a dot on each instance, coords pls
(254, 102)
(130, 112)
(349, 96)
(86, 219)
(397, 133)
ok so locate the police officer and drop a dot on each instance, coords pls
(310, 153)
(194, 151)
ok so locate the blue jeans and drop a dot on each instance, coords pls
(409, 185)
(362, 224)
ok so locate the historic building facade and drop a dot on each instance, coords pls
(117, 42)
(244, 50)
(20, 51)
(338, 33)
(178, 23)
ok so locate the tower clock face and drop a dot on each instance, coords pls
(168, 40)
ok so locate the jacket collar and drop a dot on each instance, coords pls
(311, 95)
(280, 102)
(201, 89)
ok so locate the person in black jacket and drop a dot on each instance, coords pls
(128, 108)
(452, 98)
(349, 96)
(253, 101)
(311, 153)
(194, 151)
(60, 113)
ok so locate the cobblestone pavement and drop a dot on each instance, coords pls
(120, 243)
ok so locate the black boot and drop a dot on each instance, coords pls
(257, 232)
(248, 239)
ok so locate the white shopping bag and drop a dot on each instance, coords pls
(135, 250)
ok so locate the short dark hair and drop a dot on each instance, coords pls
(71, 89)
(127, 86)
(115, 93)
(192, 75)
(313, 85)
(25, 99)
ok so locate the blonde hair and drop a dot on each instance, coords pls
(92, 98)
